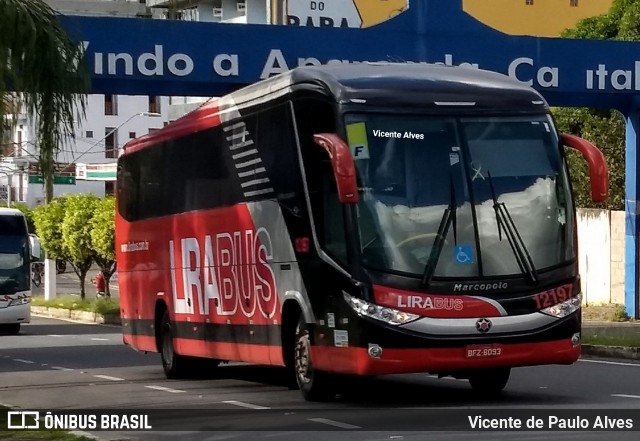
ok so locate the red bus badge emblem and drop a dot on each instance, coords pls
(483, 325)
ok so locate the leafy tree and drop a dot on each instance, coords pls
(76, 234)
(103, 238)
(40, 63)
(605, 128)
(48, 221)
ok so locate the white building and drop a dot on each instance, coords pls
(111, 121)
(221, 11)
(224, 11)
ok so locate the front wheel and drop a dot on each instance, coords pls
(490, 381)
(315, 385)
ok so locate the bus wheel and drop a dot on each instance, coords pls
(489, 381)
(172, 363)
(315, 385)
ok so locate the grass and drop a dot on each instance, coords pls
(608, 313)
(104, 306)
(36, 435)
(612, 340)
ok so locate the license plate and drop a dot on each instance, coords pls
(483, 351)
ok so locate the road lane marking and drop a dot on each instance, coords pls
(60, 368)
(108, 377)
(617, 363)
(166, 389)
(247, 405)
(54, 335)
(626, 396)
(20, 360)
(99, 339)
(334, 423)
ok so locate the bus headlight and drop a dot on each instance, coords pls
(19, 301)
(565, 308)
(382, 313)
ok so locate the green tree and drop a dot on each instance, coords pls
(605, 128)
(48, 222)
(44, 66)
(76, 234)
(103, 238)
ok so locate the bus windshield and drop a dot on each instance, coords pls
(14, 255)
(489, 193)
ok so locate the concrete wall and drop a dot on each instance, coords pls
(601, 255)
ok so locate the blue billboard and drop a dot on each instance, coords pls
(161, 57)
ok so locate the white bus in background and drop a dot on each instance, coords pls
(17, 250)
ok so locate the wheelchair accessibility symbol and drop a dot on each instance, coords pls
(464, 254)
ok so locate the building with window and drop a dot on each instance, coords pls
(110, 122)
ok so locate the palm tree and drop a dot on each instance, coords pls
(42, 68)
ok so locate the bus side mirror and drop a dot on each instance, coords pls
(36, 249)
(343, 166)
(598, 172)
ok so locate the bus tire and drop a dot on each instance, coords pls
(489, 381)
(174, 365)
(315, 385)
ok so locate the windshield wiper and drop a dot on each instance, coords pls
(448, 218)
(506, 224)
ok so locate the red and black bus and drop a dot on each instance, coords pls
(356, 220)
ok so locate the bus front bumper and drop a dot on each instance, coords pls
(15, 314)
(357, 360)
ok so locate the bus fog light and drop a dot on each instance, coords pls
(575, 339)
(375, 351)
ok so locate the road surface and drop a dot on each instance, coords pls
(58, 365)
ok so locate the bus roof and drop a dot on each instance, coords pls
(394, 85)
(10, 212)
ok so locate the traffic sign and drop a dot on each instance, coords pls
(58, 180)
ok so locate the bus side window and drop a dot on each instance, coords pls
(316, 116)
(275, 139)
(127, 188)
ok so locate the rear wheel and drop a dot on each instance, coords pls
(181, 366)
(490, 381)
(315, 385)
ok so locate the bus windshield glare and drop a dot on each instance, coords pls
(489, 193)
